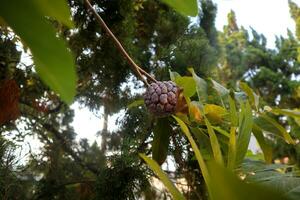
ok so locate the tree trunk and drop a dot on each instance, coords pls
(104, 132)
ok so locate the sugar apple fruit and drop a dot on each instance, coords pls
(161, 98)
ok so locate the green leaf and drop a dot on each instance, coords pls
(280, 177)
(227, 186)
(250, 166)
(173, 75)
(54, 62)
(232, 149)
(214, 143)
(188, 84)
(161, 140)
(201, 86)
(185, 7)
(254, 98)
(58, 9)
(233, 112)
(197, 152)
(222, 131)
(293, 194)
(295, 114)
(163, 177)
(244, 132)
(291, 113)
(136, 103)
(265, 147)
(268, 124)
(232, 140)
(254, 156)
(222, 91)
(203, 142)
(240, 96)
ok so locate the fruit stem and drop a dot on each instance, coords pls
(139, 71)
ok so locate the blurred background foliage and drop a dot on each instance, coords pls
(159, 39)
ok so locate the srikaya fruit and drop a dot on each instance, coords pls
(161, 98)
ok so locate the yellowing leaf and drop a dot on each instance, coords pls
(232, 149)
(195, 112)
(215, 113)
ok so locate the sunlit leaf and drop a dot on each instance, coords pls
(215, 113)
(232, 140)
(185, 7)
(254, 156)
(201, 86)
(295, 113)
(54, 62)
(222, 91)
(214, 143)
(188, 84)
(163, 177)
(184, 118)
(197, 152)
(195, 111)
(291, 113)
(233, 112)
(161, 140)
(253, 98)
(232, 149)
(173, 75)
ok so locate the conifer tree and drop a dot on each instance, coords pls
(157, 38)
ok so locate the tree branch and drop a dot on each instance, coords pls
(139, 71)
(68, 149)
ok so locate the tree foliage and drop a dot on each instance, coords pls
(217, 121)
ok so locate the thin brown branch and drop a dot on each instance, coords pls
(76, 182)
(148, 75)
(139, 71)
